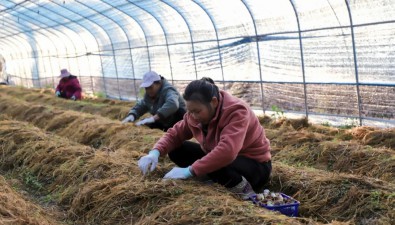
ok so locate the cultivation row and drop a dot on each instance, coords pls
(85, 162)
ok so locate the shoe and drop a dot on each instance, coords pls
(243, 189)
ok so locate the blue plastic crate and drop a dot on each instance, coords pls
(287, 209)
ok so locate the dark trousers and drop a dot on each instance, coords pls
(256, 173)
(179, 115)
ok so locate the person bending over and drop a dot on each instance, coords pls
(232, 147)
(161, 100)
(69, 87)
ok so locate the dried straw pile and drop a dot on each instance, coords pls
(112, 109)
(97, 187)
(328, 196)
(93, 171)
(15, 210)
(83, 128)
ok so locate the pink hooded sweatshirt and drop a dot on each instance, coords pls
(235, 130)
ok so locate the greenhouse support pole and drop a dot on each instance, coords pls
(301, 59)
(190, 34)
(259, 55)
(130, 46)
(17, 55)
(355, 62)
(38, 23)
(216, 35)
(99, 50)
(113, 50)
(78, 33)
(164, 33)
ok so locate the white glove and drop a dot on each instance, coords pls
(178, 173)
(57, 93)
(129, 118)
(145, 121)
(73, 98)
(150, 159)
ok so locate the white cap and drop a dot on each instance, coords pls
(149, 78)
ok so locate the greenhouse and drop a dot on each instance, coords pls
(319, 75)
(318, 57)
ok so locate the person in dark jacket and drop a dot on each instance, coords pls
(161, 100)
(69, 87)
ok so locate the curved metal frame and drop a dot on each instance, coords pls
(113, 50)
(164, 32)
(355, 62)
(33, 50)
(190, 33)
(101, 60)
(130, 47)
(83, 27)
(49, 31)
(21, 56)
(301, 59)
(259, 54)
(216, 35)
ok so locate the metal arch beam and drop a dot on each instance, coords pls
(86, 18)
(301, 58)
(69, 28)
(144, 32)
(53, 32)
(164, 32)
(27, 45)
(216, 35)
(38, 74)
(130, 47)
(190, 33)
(76, 32)
(39, 31)
(34, 52)
(71, 40)
(355, 61)
(258, 51)
(146, 42)
(20, 54)
(113, 50)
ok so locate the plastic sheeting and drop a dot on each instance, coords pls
(110, 44)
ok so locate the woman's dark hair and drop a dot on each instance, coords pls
(202, 91)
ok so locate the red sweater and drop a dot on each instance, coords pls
(234, 130)
(69, 86)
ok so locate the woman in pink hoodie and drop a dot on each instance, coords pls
(232, 148)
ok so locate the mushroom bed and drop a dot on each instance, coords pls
(73, 162)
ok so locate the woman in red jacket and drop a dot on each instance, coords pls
(69, 87)
(232, 148)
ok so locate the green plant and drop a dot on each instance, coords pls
(375, 198)
(350, 123)
(100, 94)
(31, 180)
(326, 124)
(277, 112)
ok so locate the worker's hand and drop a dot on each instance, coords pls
(129, 118)
(57, 93)
(150, 160)
(178, 173)
(145, 121)
(73, 98)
